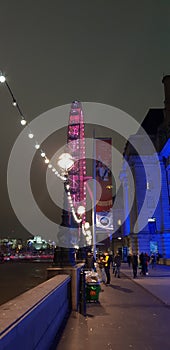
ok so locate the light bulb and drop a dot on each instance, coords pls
(42, 154)
(37, 146)
(86, 225)
(50, 166)
(31, 135)
(23, 122)
(46, 160)
(81, 210)
(2, 79)
(14, 103)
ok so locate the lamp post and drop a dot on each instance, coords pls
(70, 229)
(81, 252)
(64, 254)
(91, 193)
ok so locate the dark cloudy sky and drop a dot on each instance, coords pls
(53, 52)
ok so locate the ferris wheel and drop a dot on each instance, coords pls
(77, 174)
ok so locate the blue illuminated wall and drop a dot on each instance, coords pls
(146, 180)
(143, 165)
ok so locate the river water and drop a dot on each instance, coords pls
(18, 277)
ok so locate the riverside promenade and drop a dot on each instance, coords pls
(157, 282)
(131, 314)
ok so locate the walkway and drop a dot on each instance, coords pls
(131, 314)
(156, 282)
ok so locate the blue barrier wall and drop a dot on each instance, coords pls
(32, 320)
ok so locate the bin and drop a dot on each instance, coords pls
(92, 291)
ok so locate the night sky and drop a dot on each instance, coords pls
(107, 51)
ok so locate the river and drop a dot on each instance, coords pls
(18, 277)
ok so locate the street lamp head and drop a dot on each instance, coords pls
(65, 156)
(65, 162)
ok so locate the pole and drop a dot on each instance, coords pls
(91, 193)
(82, 293)
(94, 195)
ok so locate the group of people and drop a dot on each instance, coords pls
(142, 262)
(105, 262)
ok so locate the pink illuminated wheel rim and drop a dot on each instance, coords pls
(76, 148)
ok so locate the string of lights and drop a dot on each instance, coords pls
(37, 146)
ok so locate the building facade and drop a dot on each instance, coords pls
(145, 178)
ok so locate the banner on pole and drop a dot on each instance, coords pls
(103, 174)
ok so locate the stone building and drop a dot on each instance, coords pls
(145, 178)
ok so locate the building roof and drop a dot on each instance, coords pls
(153, 120)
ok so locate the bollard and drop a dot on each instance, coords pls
(82, 293)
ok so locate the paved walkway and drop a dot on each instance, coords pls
(156, 282)
(126, 317)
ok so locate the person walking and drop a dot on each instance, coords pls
(90, 260)
(129, 259)
(142, 259)
(102, 273)
(153, 260)
(117, 260)
(134, 264)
